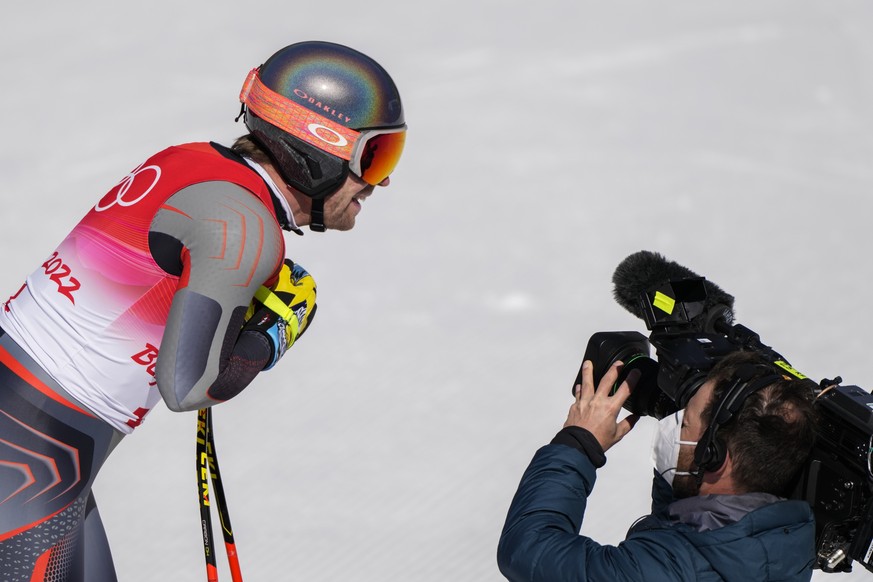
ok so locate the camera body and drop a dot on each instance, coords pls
(837, 480)
(689, 338)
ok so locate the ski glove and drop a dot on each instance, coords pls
(283, 313)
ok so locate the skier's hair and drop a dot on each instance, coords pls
(246, 146)
(771, 437)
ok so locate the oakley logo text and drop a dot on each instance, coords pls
(326, 108)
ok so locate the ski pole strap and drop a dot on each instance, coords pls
(208, 461)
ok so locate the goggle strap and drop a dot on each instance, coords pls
(299, 121)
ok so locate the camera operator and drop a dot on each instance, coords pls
(750, 429)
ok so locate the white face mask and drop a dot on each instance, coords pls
(665, 449)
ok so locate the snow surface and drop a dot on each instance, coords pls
(548, 140)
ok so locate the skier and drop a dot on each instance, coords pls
(150, 297)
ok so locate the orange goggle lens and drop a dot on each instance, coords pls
(376, 154)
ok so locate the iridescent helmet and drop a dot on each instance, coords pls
(320, 110)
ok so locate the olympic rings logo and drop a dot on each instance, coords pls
(123, 187)
(333, 138)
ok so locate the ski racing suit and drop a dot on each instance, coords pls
(143, 301)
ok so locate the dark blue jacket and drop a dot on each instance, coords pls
(540, 540)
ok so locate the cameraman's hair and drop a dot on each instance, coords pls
(246, 146)
(771, 437)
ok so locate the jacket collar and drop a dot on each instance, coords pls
(707, 512)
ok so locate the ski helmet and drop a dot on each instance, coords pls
(320, 110)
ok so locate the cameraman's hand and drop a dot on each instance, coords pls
(596, 411)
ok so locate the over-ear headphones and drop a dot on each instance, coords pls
(711, 452)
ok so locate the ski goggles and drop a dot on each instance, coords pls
(372, 154)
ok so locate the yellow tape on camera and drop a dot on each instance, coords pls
(664, 303)
(787, 367)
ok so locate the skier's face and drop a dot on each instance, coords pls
(341, 207)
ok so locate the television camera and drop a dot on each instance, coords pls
(691, 327)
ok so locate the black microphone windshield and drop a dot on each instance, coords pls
(645, 270)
